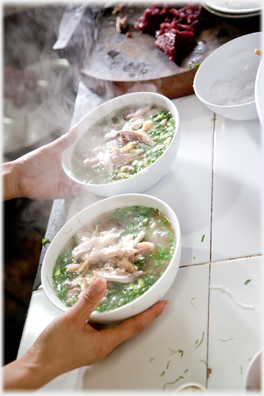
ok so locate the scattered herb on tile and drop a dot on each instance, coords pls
(200, 341)
(151, 359)
(202, 238)
(163, 373)
(194, 258)
(203, 361)
(179, 350)
(193, 303)
(247, 282)
(241, 369)
(168, 365)
(45, 240)
(186, 371)
(174, 382)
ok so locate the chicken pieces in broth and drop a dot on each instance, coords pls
(122, 144)
(130, 247)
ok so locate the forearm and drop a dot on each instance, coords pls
(26, 373)
(10, 182)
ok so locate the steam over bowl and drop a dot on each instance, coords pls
(86, 217)
(225, 81)
(145, 178)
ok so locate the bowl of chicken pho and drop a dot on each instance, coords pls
(133, 241)
(126, 145)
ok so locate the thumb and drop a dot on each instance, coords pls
(89, 300)
(63, 142)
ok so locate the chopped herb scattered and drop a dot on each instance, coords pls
(174, 382)
(168, 365)
(186, 371)
(247, 282)
(151, 359)
(45, 240)
(241, 369)
(163, 373)
(179, 350)
(203, 361)
(200, 341)
(202, 238)
(193, 303)
(193, 66)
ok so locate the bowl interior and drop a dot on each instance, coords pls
(141, 98)
(85, 217)
(228, 75)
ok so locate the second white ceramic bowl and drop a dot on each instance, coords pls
(146, 178)
(233, 65)
(151, 296)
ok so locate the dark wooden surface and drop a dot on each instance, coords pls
(114, 64)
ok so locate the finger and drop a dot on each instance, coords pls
(135, 325)
(88, 301)
(63, 142)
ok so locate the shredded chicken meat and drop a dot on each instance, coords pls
(98, 254)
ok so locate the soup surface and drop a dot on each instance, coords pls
(122, 144)
(130, 247)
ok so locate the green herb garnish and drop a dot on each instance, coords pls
(179, 350)
(45, 240)
(247, 282)
(174, 382)
(200, 341)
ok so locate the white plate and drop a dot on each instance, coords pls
(258, 92)
(235, 6)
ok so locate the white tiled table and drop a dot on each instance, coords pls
(214, 186)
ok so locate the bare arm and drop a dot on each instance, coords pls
(51, 356)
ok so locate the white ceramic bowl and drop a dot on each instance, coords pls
(259, 91)
(146, 178)
(252, 380)
(226, 78)
(154, 294)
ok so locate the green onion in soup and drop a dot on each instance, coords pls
(130, 247)
(122, 144)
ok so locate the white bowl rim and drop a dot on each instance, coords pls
(145, 170)
(208, 59)
(106, 314)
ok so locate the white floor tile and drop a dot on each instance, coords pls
(187, 186)
(234, 332)
(147, 361)
(237, 189)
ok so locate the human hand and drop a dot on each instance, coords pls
(70, 342)
(39, 173)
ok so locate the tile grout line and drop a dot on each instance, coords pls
(210, 254)
(222, 260)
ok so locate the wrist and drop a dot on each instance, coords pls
(26, 373)
(10, 181)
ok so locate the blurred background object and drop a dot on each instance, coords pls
(39, 96)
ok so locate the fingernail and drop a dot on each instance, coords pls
(98, 284)
(167, 303)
